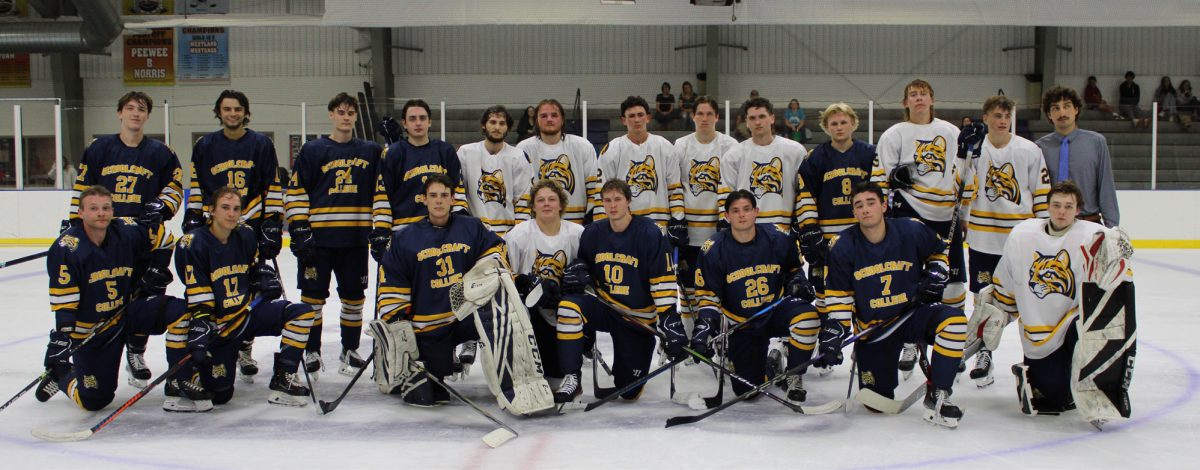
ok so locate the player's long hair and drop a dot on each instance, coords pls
(1057, 94)
(554, 187)
(918, 84)
(537, 110)
(487, 113)
(220, 193)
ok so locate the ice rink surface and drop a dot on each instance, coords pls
(370, 430)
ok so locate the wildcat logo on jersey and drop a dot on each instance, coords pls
(642, 176)
(89, 381)
(704, 176)
(491, 187)
(558, 171)
(767, 178)
(218, 371)
(930, 155)
(1002, 184)
(550, 266)
(1051, 274)
(69, 242)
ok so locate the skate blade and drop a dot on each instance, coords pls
(138, 383)
(348, 370)
(60, 436)
(943, 422)
(283, 399)
(984, 382)
(498, 437)
(570, 407)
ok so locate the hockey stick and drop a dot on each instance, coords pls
(328, 406)
(493, 439)
(716, 400)
(677, 420)
(72, 436)
(597, 390)
(639, 382)
(23, 259)
(893, 406)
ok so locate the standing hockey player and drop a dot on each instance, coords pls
(329, 218)
(143, 175)
(419, 324)
(542, 248)
(699, 157)
(91, 267)
(740, 271)
(919, 161)
(1079, 155)
(497, 175)
(883, 269)
(566, 159)
(232, 294)
(647, 163)
(625, 259)
(1046, 279)
(244, 160)
(767, 165)
(1012, 180)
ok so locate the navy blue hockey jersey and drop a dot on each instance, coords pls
(738, 279)
(217, 276)
(632, 268)
(248, 165)
(398, 193)
(830, 176)
(134, 175)
(332, 188)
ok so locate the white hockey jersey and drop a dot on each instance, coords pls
(1012, 184)
(572, 163)
(531, 251)
(652, 172)
(771, 172)
(1039, 279)
(497, 186)
(933, 149)
(700, 175)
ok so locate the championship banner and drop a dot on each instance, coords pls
(147, 7)
(14, 70)
(150, 58)
(204, 55)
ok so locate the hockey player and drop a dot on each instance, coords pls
(879, 270)
(740, 271)
(1040, 282)
(329, 204)
(419, 326)
(497, 175)
(767, 165)
(91, 267)
(142, 175)
(232, 297)
(566, 159)
(542, 248)
(1013, 182)
(699, 157)
(648, 164)
(406, 165)
(245, 160)
(625, 259)
(919, 159)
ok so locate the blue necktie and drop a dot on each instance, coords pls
(1064, 168)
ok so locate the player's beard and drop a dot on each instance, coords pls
(493, 139)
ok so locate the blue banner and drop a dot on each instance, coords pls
(203, 55)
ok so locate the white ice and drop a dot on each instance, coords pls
(370, 430)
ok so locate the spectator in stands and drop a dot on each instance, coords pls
(794, 119)
(527, 125)
(664, 107)
(687, 104)
(1094, 100)
(1079, 155)
(966, 121)
(1188, 104)
(1131, 95)
(1167, 99)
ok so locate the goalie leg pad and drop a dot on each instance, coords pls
(511, 359)
(396, 368)
(1102, 363)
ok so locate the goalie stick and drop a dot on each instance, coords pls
(493, 439)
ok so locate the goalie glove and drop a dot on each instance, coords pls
(988, 321)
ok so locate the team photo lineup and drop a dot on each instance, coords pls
(762, 260)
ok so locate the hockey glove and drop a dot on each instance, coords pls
(266, 282)
(812, 244)
(707, 321)
(154, 282)
(722, 225)
(832, 333)
(193, 219)
(676, 336)
(800, 288)
(302, 240)
(524, 284)
(200, 335)
(270, 239)
(970, 140)
(576, 277)
(380, 238)
(66, 224)
(551, 294)
(678, 233)
(932, 284)
(901, 177)
(58, 350)
(152, 214)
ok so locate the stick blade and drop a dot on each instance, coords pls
(677, 420)
(498, 437)
(822, 409)
(61, 436)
